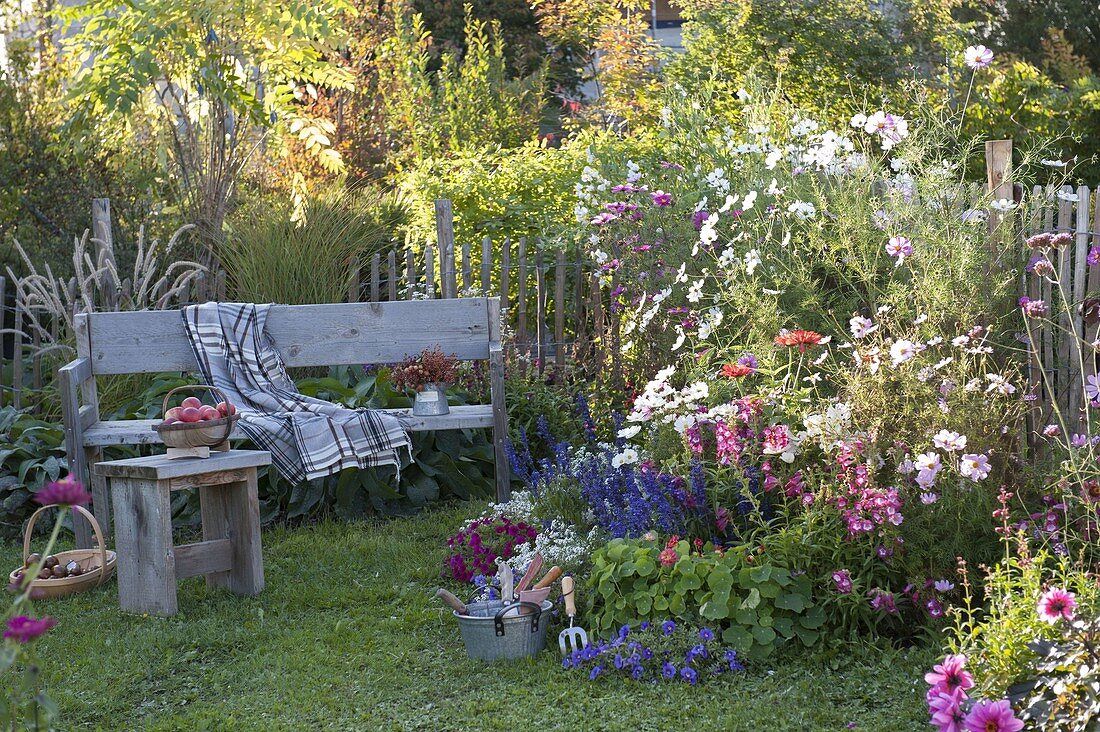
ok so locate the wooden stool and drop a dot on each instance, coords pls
(229, 554)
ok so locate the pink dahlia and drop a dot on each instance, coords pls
(992, 716)
(68, 492)
(24, 629)
(669, 557)
(1056, 604)
(949, 674)
(946, 710)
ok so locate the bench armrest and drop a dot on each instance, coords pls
(78, 370)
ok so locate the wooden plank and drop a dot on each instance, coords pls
(220, 477)
(391, 269)
(445, 237)
(375, 276)
(68, 378)
(233, 512)
(499, 408)
(305, 335)
(540, 310)
(998, 171)
(579, 321)
(559, 309)
(221, 285)
(429, 272)
(522, 340)
(410, 274)
(203, 557)
(143, 540)
(141, 432)
(162, 468)
(353, 285)
(467, 270)
(505, 276)
(1092, 332)
(3, 321)
(1080, 249)
(486, 266)
(1065, 274)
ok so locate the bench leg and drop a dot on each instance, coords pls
(146, 565)
(232, 511)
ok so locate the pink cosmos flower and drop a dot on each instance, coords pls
(1056, 604)
(977, 57)
(992, 716)
(974, 466)
(24, 629)
(661, 199)
(899, 247)
(67, 492)
(603, 218)
(949, 674)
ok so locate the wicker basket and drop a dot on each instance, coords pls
(184, 435)
(98, 563)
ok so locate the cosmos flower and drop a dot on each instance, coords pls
(1056, 604)
(977, 57)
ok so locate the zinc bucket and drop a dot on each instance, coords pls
(494, 630)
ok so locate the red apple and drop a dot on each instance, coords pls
(208, 412)
(171, 420)
(192, 402)
(226, 409)
(173, 414)
(190, 414)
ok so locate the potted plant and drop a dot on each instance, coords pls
(428, 373)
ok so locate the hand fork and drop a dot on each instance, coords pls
(572, 638)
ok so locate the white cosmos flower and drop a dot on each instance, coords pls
(999, 384)
(749, 202)
(802, 209)
(695, 292)
(730, 200)
(977, 57)
(1002, 205)
(774, 189)
(861, 327)
(950, 441)
(1067, 196)
(772, 159)
(1054, 163)
(628, 432)
(680, 338)
(902, 351)
(752, 261)
(858, 121)
(628, 456)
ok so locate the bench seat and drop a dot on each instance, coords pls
(140, 431)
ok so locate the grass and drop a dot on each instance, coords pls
(347, 635)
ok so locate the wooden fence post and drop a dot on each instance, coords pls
(998, 182)
(445, 239)
(104, 246)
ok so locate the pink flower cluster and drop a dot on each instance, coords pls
(474, 550)
(947, 702)
(866, 507)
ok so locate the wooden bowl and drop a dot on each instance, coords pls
(209, 433)
(98, 564)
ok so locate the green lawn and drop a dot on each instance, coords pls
(347, 635)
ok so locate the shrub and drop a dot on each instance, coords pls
(759, 605)
(32, 454)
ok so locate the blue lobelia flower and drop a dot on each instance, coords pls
(668, 627)
(668, 670)
(706, 634)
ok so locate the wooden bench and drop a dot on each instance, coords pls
(155, 341)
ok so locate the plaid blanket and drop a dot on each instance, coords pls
(308, 438)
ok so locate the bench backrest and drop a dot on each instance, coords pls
(151, 341)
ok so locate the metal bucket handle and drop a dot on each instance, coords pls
(498, 619)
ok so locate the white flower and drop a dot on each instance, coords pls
(681, 336)
(1067, 195)
(742, 95)
(928, 461)
(628, 432)
(901, 351)
(973, 216)
(803, 127)
(950, 441)
(628, 456)
(730, 200)
(859, 121)
(1054, 163)
(960, 341)
(920, 319)
(977, 57)
(802, 209)
(861, 327)
(749, 202)
(1002, 205)
(695, 292)
(752, 261)
(772, 159)
(599, 256)
(774, 189)
(906, 466)
(999, 384)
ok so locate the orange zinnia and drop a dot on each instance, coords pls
(800, 338)
(736, 370)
